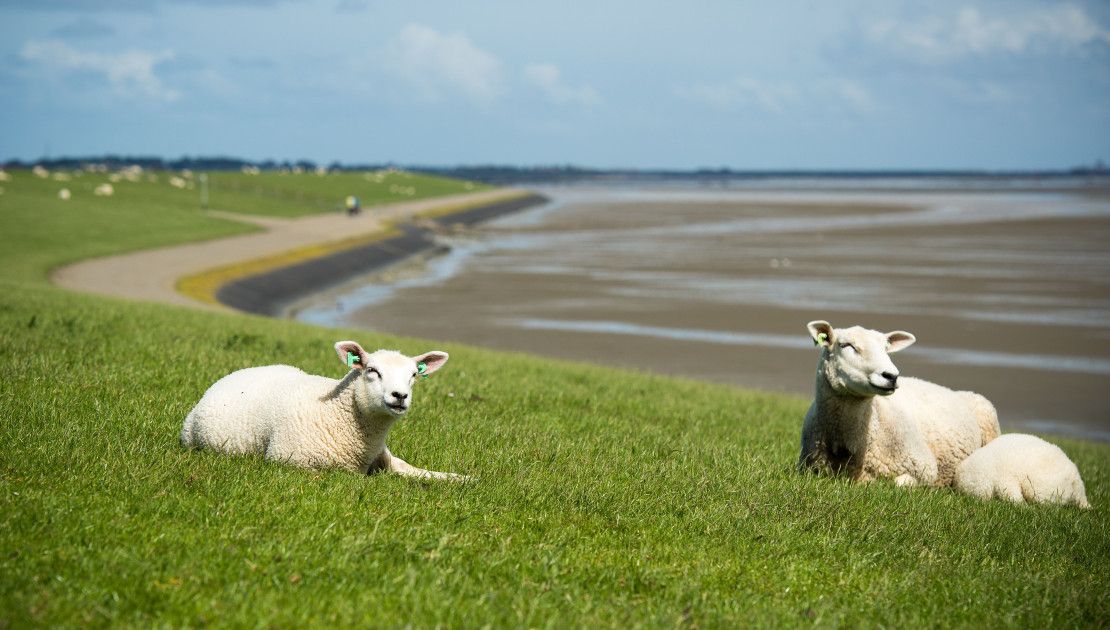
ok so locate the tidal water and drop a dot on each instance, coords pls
(1007, 289)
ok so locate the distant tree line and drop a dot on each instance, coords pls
(555, 174)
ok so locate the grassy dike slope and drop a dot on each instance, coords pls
(605, 497)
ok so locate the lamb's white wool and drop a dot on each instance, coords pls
(314, 421)
(104, 190)
(4, 176)
(64, 194)
(1021, 467)
(868, 422)
(177, 182)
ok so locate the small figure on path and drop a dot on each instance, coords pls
(353, 206)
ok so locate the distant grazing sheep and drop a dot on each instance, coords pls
(1020, 467)
(64, 194)
(314, 421)
(104, 190)
(867, 422)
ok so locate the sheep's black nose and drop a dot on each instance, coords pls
(893, 378)
(400, 396)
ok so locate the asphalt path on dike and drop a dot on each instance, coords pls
(268, 293)
(153, 275)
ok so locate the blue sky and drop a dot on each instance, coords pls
(641, 84)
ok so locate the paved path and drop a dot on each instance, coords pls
(152, 274)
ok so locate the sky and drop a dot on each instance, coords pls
(642, 84)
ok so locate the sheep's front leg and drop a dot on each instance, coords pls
(905, 480)
(405, 469)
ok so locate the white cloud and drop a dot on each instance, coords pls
(436, 64)
(129, 73)
(856, 97)
(741, 92)
(548, 79)
(970, 32)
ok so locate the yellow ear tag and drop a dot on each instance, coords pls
(821, 338)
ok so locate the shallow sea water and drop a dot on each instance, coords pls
(1007, 292)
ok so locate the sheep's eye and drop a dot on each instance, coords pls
(371, 370)
(414, 375)
(847, 346)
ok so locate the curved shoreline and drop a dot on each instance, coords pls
(270, 292)
(161, 275)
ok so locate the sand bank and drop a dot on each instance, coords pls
(1008, 294)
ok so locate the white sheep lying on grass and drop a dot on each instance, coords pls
(314, 421)
(1021, 467)
(867, 422)
(104, 190)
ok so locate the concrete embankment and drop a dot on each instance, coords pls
(269, 292)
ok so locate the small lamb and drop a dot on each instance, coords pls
(315, 421)
(868, 423)
(1021, 467)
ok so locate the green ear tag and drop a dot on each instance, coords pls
(821, 338)
(351, 358)
(422, 367)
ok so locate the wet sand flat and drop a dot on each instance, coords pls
(1008, 294)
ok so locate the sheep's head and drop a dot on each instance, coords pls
(385, 377)
(856, 361)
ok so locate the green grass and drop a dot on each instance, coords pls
(275, 194)
(39, 231)
(605, 498)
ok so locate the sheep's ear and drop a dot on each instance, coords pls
(899, 340)
(821, 331)
(432, 361)
(358, 355)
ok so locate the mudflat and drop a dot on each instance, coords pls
(1008, 293)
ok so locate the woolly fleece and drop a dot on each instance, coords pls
(1020, 467)
(866, 422)
(313, 421)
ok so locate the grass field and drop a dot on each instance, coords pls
(278, 194)
(605, 498)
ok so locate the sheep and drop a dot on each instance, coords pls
(868, 423)
(64, 194)
(1021, 467)
(314, 421)
(104, 190)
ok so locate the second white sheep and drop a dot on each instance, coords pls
(868, 422)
